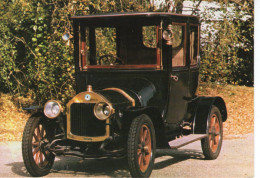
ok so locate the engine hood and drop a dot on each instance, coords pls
(115, 97)
(140, 90)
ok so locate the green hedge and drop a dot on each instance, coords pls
(34, 61)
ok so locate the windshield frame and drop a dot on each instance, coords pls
(82, 45)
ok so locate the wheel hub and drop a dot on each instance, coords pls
(146, 149)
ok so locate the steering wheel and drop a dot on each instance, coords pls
(109, 59)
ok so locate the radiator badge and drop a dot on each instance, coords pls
(87, 97)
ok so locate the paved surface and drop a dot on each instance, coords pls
(236, 160)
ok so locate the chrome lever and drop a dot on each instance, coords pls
(175, 78)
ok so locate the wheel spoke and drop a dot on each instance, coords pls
(140, 160)
(144, 160)
(139, 146)
(41, 158)
(141, 135)
(35, 137)
(215, 141)
(212, 121)
(38, 133)
(37, 158)
(35, 144)
(42, 131)
(36, 150)
(148, 139)
(217, 127)
(44, 135)
(211, 143)
(139, 151)
(217, 133)
(45, 153)
(145, 134)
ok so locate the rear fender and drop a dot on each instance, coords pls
(202, 112)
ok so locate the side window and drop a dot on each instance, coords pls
(84, 46)
(105, 42)
(178, 45)
(194, 42)
(149, 36)
(87, 49)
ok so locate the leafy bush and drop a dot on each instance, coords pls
(227, 44)
(35, 61)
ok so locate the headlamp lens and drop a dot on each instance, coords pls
(106, 110)
(102, 111)
(52, 109)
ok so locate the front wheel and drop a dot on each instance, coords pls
(211, 145)
(141, 147)
(36, 135)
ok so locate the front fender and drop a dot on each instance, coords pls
(154, 114)
(30, 108)
(202, 112)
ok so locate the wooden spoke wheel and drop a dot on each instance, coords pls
(211, 145)
(141, 147)
(37, 160)
(214, 133)
(144, 150)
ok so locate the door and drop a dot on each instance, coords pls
(194, 59)
(179, 81)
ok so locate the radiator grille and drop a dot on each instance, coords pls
(83, 122)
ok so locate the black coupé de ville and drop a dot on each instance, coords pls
(136, 83)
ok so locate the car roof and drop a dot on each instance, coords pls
(133, 15)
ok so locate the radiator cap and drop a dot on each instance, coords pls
(89, 88)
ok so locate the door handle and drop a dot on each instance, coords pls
(175, 78)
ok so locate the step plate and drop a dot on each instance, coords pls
(179, 142)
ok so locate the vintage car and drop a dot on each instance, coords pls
(136, 82)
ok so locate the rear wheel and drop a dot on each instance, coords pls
(211, 145)
(141, 147)
(36, 135)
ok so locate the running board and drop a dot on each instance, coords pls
(179, 142)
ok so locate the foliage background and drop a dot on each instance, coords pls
(35, 62)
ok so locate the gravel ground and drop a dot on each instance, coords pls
(236, 160)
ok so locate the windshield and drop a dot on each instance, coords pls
(120, 46)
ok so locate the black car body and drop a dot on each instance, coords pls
(136, 84)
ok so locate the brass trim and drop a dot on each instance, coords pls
(90, 139)
(89, 88)
(123, 93)
(80, 98)
(111, 112)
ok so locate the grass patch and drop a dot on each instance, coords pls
(12, 117)
(239, 101)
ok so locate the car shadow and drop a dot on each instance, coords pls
(71, 166)
(176, 156)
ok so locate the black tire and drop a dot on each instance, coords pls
(37, 161)
(141, 147)
(211, 145)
